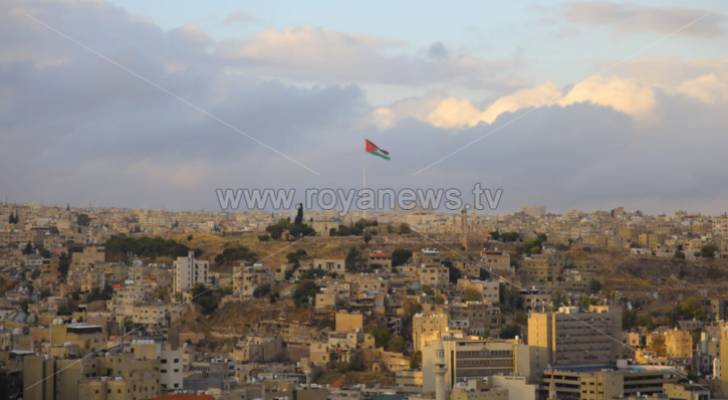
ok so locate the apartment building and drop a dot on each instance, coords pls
(189, 272)
(248, 278)
(573, 337)
(426, 327)
(475, 318)
(434, 275)
(495, 260)
(468, 358)
(597, 383)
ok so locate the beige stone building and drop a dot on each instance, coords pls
(248, 278)
(603, 384)
(427, 327)
(478, 389)
(678, 344)
(498, 261)
(347, 322)
(434, 275)
(571, 337)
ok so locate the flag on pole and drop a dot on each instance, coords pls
(375, 150)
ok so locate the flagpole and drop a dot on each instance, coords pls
(364, 181)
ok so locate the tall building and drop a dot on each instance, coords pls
(723, 359)
(189, 271)
(440, 369)
(110, 376)
(587, 383)
(468, 358)
(426, 327)
(571, 337)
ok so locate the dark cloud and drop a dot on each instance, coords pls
(438, 51)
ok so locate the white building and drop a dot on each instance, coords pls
(189, 271)
(170, 370)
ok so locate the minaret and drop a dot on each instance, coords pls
(552, 391)
(440, 369)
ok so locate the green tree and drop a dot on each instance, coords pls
(123, 245)
(691, 308)
(416, 360)
(484, 275)
(64, 262)
(299, 215)
(381, 336)
(234, 254)
(471, 294)
(453, 273)
(510, 331)
(300, 230)
(262, 290)
(396, 344)
(629, 319)
(305, 293)
(276, 230)
(83, 220)
(354, 260)
(401, 256)
(295, 257)
(206, 299)
(356, 362)
(709, 251)
(595, 286)
(65, 309)
(28, 249)
(505, 236)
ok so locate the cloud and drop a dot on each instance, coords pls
(437, 50)
(628, 18)
(240, 17)
(708, 89)
(309, 53)
(619, 94)
(637, 98)
(581, 155)
(86, 130)
(82, 130)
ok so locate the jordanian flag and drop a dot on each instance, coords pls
(375, 150)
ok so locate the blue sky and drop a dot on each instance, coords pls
(535, 31)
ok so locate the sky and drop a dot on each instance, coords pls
(572, 104)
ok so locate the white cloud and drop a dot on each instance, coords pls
(637, 99)
(454, 112)
(709, 89)
(539, 96)
(619, 94)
